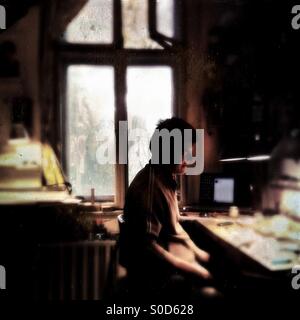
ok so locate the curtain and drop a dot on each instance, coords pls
(55, 17)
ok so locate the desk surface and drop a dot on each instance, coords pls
(33, 197)
(273, 254)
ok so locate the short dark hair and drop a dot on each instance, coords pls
(171, 124)
(176, 123)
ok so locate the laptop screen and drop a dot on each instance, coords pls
(223, 190)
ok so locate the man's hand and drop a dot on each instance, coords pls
(183, 237)
(188, 267)
(201, 255)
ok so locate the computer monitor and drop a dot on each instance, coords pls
(224, 190)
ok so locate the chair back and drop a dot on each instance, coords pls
(122, 240)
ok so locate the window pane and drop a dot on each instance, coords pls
(93, 24)
(165, 17)
(135, 25)
(149, 99)
(90, 129)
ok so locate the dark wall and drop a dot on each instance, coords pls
(242, 85)
(253, 87)
(16, 9)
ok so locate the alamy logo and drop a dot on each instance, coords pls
(2, 278)
(296, 278)
(296, 18)
(2, 17)
(160, 147)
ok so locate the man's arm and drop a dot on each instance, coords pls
(185, 266)
(184, 238)
(200, 254)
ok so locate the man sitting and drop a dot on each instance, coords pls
(159, 255)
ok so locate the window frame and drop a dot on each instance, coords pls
(120, 58)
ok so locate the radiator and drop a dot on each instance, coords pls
(75, 271)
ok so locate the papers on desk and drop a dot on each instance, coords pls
(20, 166)
(278, 226)
(31, 197)
(30, 173)
(273, 253)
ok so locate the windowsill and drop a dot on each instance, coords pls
(101, 199)
(106, 216)
(104, 208)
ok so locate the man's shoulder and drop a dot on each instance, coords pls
(141, 178)
(145, 181)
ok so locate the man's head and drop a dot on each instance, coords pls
(172, 143)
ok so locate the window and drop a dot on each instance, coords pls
(135, 25)
(149, 98)
(165, 18)
(120, 60)
(90, 112)
(93, 24)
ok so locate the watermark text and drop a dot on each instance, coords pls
(2, 18)
(296, 18)
(2, 278)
